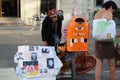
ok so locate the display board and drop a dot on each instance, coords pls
(37, 62)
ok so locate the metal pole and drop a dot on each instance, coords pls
(73, 58)
(58, 4)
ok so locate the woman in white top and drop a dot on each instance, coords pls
(105, 50)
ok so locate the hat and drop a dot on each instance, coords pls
(50, 12)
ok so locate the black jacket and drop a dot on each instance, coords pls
(48, 30)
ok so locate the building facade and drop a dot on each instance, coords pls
(9, 8)
(26, 9)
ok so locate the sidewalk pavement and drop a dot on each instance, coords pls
(9, 32)
(8, 74)
(89, 76)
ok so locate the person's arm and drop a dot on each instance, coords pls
(44, 32)
(45, 43)
(109, 16)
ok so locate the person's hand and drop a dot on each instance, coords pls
(45, 43)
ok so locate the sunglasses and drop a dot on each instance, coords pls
(53, 17)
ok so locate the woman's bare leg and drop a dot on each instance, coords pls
(112, 69)
(98, 70)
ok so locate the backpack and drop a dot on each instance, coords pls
(60, 14)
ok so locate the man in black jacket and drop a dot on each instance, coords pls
(51, 28)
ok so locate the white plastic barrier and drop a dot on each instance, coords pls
(37, 63)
